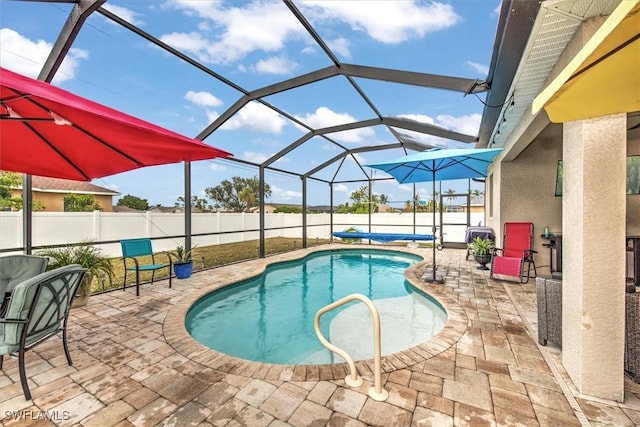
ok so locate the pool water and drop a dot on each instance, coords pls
(269, 318)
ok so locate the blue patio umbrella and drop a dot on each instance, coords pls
(439, 165)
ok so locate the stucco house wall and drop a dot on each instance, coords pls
(527, 187)
(52, 191)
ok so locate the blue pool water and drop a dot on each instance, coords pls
(269, 318)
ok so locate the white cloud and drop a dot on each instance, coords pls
(278, 193)
(422, 118)
(124, 13)
(256, 117)
(217, 167)
(212, 116)
(257, 157)
(190, 42)
(308, 50)
(276, 65)
(341, 188)
(340, 46)
(386, 21)
(480, 68)
(364, 136)
(203, 99)
(467, 124)
(27, 57)
(360, 158)
(242, 30)
(325, 117)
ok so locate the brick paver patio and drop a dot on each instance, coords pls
(134, 365)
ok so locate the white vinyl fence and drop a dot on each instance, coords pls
(54, 228)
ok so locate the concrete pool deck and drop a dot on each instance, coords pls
(135, 365)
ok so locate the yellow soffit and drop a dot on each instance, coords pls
(604, 77)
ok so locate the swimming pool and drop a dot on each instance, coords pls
(269, 318)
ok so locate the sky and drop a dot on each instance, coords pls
(254, 44)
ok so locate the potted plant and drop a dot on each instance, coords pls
(89, 257)
(183, 265)
(482, 249)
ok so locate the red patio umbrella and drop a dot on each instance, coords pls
(47, 131)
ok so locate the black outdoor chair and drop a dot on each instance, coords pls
(38, 310)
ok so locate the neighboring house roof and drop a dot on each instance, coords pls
(314, 208)
(383, 208)
(117, 208)
(173, 209)
(56, 185)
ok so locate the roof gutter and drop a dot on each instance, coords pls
(517, 18)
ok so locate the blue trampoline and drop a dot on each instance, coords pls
(381, 237)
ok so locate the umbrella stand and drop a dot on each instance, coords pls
(434, 278)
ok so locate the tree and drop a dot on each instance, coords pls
(361, 202)
(80, 203)
(247, 196)
(134, 202)
(227, 194)
(288, 209)
(196, 202)
(9, 181)
(450, 196)
(476, 194)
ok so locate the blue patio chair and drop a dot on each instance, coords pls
(15, 269)
(132, 249)
(38, 310)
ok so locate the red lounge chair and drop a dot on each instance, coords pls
(508, 263)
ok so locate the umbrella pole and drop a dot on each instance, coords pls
(433, 229)
(434, 278)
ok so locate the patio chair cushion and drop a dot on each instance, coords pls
(48, 315)
(507, 266)
(16, 268)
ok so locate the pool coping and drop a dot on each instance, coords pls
(178, 338)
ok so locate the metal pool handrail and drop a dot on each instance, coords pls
(353, 379)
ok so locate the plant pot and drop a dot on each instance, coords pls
(483, 260)
(183, 269)
(84, 290)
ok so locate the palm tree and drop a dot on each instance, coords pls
(247, 196)
(476, 194)
(450, 196)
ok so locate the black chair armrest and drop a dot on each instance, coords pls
(169, 257)
(4, 305)
(135, 261)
